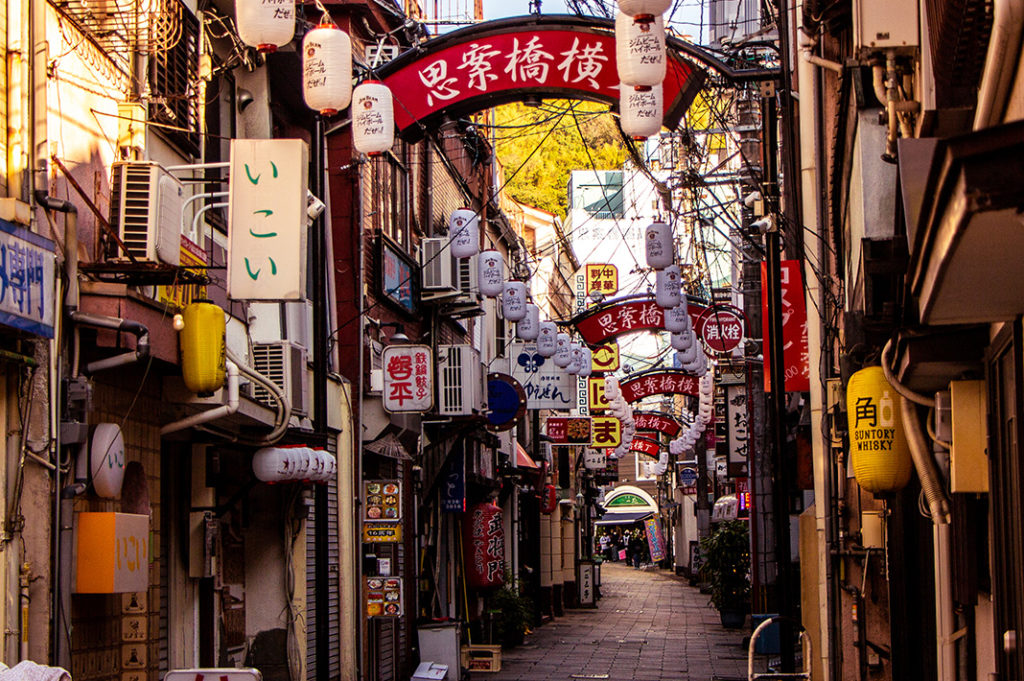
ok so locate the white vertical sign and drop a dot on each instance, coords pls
(408, 378)
(267, 219)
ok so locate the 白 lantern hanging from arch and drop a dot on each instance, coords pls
(659, 245)
(528, 327)
(264, 25)
(563, 350)
(373, 118)
(464, 233)
(682, 342)
(640, 110)
(644, 10)
(677, 319)
(879, 453)
(587, 363)
(666, 287)
(640, 53)
(547, 339)
(513, 301)
(491, 273)
(575, 359)
(327, 71)
(483, 534)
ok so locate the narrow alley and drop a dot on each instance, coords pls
(648, 626)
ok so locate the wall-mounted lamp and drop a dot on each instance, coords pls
(399, 335)
(244, 99)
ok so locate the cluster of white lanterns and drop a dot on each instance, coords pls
(294, 464)
(641, 57)
(696, 423)
(326, 71)
(689, 351)
(620, 409)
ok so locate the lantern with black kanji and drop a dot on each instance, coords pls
(491, 273)
(640, 110)
(547, 339)
(464, 233)
(878, 447)
(483, 535)
(528, 327)
(265, 25)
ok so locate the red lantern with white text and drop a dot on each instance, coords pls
(549, 499)
(483, 535)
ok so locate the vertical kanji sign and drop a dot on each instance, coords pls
(794, 328)
(736, 406)
(267, 219)
(408, 378)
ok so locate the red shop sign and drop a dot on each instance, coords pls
(659, 382)
(794, 328)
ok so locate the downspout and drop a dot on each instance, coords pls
(210, 414)
(139, 330)
(1003, 45)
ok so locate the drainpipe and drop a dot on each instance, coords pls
(139, 330)
(210, 414)
(66, 538)
(70, 243)
(1004, 48)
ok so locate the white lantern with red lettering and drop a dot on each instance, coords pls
(677, 319)
(529, 326)
(373, 118)
(563, 350)
(640, 110)
(464, 233)
(327, 70)
(265, 25)
(666, 287)
(547, 339)
(513, 301)
(659, 245)
(575, 359)
(644, 10)
(491, 273)
(640, 50)
(483, 535)
(587, 364)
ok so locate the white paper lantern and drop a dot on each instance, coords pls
(587, 365)
(373, 118)
(682, 342)
(529, 326)
(640, 111)
(575, 359)
(464, 233)
(265, 25)
(513, 301)
(666, 287)
(676, 319)
(547, 338)
(687, 356)
(643, 9)
(327, 70)
(106, 460)
(640, 50)
(611, 388)
(659, 245)
(491, 273)
(563, 350)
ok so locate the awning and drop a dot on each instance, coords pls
(623, 518)
(523, 459)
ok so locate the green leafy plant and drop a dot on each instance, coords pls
(726, 565)
(514, 613)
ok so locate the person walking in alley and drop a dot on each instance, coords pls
(636, 549)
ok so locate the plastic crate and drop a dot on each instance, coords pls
(481, 658)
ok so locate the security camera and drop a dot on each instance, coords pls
(314, 206)
(750, 198)
(764, 225)
(245, 98)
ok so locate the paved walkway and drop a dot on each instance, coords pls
(649, 626)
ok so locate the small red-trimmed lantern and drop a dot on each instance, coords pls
(327, 69)
(549, 499)
(483, 535)
(265, 25)
(640, 110)
(373, 118)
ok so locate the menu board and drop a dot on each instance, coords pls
(383, 596)
(382, 500)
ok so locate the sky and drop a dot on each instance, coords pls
(496, 9)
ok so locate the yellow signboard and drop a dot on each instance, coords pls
(605, 432)
(605, 358)
(595, 394)
(181, 295)
(603, 279)
(378, 533)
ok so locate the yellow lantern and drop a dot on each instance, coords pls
(878, 447)
(203, 352)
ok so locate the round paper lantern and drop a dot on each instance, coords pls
(640, 111)
(575, 359)
(641, 9)
(563, 350)
(483, 535)
(587, 364)
(640, 54)
(373, 118)
(666, 287)
(659, 245)
(275, 464)
(106, 460)
(879, 453)
(549, 499)
(513, 301)
(682, 342)
(688, 356)
(203, 352)
(611, 388)
(464, 233)
(676, 319)
(327, 71)
(529, 326)
(491, 273)
(547, 337)
(265, 25)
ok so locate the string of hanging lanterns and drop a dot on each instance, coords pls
(641, 58)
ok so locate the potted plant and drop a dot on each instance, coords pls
(514, 613)
(726, 565)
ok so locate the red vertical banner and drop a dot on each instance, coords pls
(795, 356)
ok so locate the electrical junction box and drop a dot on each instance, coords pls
(968, 458)
(881, 25)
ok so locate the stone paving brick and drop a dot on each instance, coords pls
(649, 626)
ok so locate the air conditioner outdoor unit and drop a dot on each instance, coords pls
(460, 386)
(284, 363)
(436, 269)
(466, 278)
(146, 204)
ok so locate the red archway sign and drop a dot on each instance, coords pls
(662, 423)
(659, 382)
(497, 62)
(721, 327)
(602, 323)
